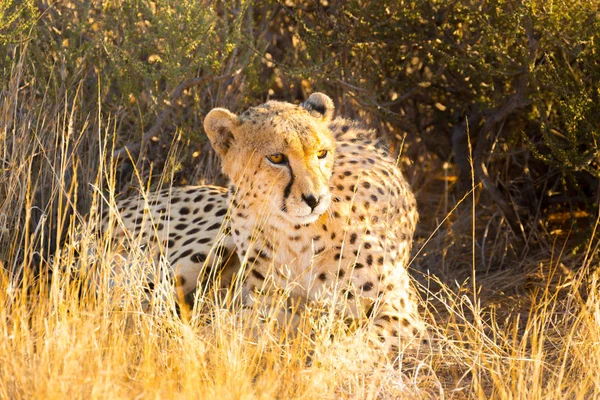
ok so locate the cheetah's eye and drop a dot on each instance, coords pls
(277, 158)
(322, 154)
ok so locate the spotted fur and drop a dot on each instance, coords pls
(185, 225)
(332, 224)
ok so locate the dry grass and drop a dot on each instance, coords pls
(530, 329)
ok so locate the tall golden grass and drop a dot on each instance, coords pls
(531, 331)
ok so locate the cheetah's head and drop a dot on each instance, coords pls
(279, 155)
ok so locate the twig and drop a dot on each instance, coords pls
(135, 148)
(515, 102)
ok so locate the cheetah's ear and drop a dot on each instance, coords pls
(219, 124)
(320, 105)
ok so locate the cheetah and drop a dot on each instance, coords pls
(320, 210)
(315, 204)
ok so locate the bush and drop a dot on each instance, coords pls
(524, 77)
(524, 74)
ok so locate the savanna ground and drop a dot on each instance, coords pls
(491, 106)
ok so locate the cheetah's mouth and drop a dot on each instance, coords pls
(304, 215)
(305, 220)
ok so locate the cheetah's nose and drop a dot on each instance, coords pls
(311, 200)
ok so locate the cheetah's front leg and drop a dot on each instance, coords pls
(265, 305)
(396, 324)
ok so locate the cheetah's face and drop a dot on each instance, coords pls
(279, 154)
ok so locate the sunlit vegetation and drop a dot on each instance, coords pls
(491, 107)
